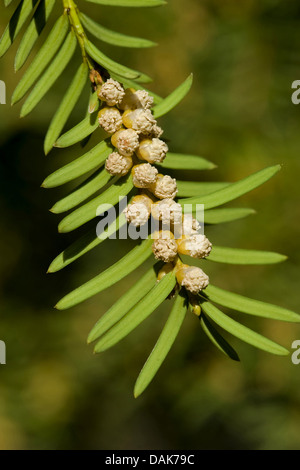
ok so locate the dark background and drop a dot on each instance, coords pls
(54, 394)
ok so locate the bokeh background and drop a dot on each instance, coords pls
(54, 393)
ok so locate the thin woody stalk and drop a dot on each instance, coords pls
(71, 10)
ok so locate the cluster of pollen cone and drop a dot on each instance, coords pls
(126, 115)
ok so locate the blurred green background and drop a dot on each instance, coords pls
(54, 393)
